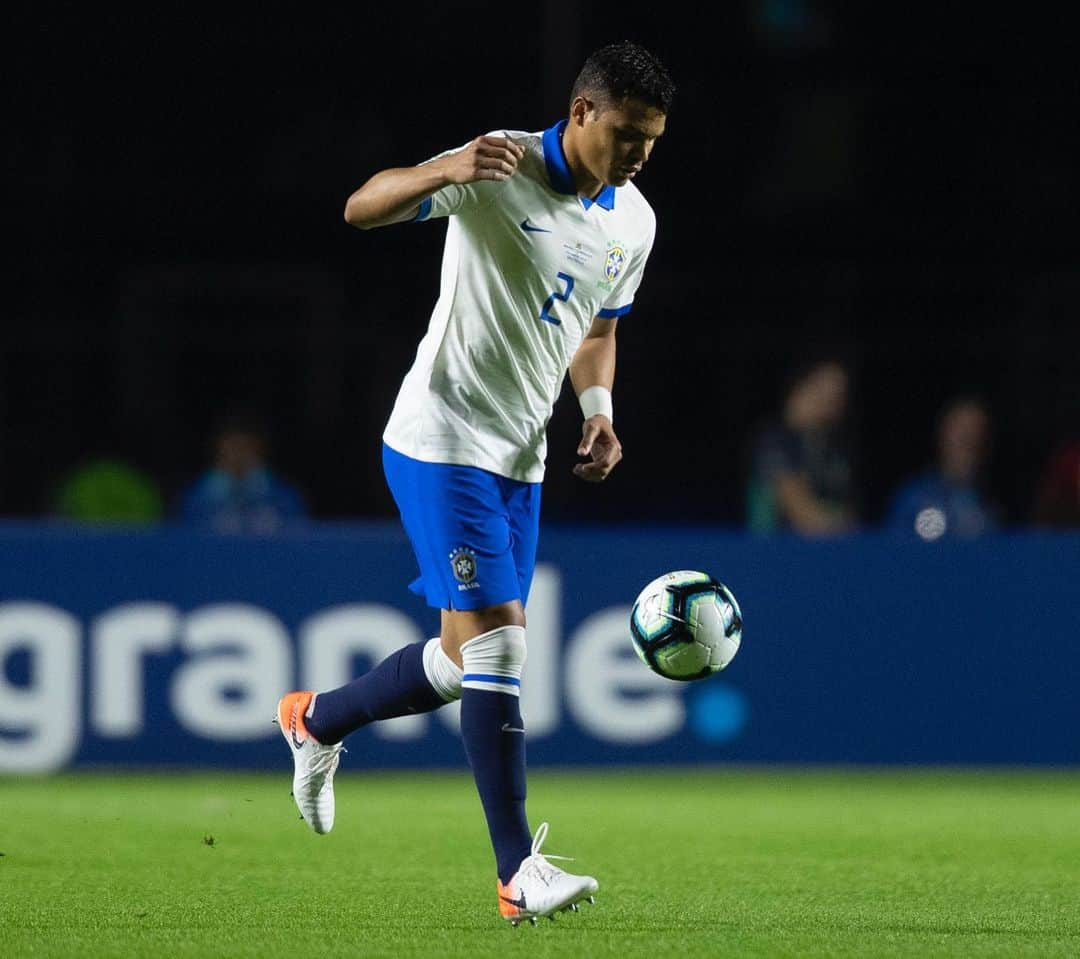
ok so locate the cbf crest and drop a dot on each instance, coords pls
(463, 565)
(614, 262)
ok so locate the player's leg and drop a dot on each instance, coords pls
(415, 679)
(489, 643)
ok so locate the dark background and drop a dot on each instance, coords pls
(900, 185)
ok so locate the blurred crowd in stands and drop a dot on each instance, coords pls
(802, 477)
(238, 491)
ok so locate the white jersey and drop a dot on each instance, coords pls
(526, 267)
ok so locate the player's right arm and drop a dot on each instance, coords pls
(395, 195)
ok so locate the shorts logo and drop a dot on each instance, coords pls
(463, 565)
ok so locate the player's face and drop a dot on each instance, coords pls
(616, 141)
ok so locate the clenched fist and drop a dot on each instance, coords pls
(485, 158)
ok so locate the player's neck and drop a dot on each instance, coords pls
(585, 183)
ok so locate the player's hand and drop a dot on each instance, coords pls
(486, 158)
(601, 445)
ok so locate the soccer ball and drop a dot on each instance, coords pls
(685, 625)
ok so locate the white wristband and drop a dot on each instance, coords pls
(596, 400)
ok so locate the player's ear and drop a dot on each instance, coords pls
(580, 108)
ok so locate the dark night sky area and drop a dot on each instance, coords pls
(903, 189)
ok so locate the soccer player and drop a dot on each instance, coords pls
(545, 247)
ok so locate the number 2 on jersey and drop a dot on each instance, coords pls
(545, 313)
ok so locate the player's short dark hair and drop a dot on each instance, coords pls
(625, 70)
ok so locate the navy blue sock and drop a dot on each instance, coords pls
(494, 738)
(398, 686)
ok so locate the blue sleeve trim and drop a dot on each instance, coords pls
(424, 211)
(608, 312)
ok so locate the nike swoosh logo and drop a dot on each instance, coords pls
(529, 228)
(292, 729)
(520, 903)
(507, 728)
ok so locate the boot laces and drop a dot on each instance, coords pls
(537, 865)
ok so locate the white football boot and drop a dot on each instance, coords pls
(540, 889)
(314, 764)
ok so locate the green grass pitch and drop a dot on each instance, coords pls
(767, 862)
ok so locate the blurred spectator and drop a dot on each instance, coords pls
(801, 473)
(947, 500)
(1057, 500)
(107, 490)
(240, 493)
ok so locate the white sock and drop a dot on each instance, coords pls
(494, 660)
(442, 672)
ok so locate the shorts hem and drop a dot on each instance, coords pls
(467, 601)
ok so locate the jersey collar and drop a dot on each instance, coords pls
(559, 174)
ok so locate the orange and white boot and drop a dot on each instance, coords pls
(540, 889)
(314, 764)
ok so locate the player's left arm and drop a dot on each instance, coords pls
(592, 373)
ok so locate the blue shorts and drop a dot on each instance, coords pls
(473, 532)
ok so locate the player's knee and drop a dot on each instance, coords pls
(441, 671)
(505, 614)
(494, 660)
(461, 626)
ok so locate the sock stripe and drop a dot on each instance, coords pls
(506, 685)
(486, 678)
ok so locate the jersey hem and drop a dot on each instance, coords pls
(467, 458)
